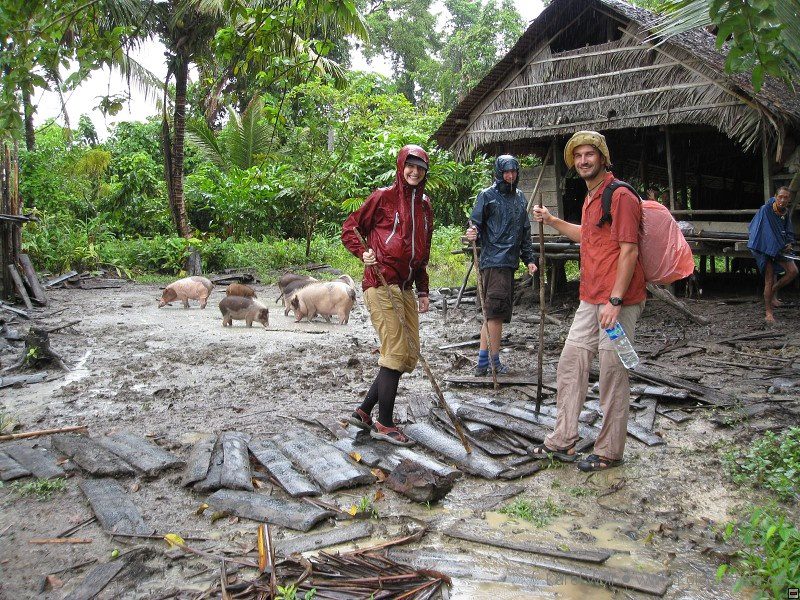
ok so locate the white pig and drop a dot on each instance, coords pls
(188, 288)
(324, 299)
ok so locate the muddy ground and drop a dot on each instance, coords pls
(174, 374)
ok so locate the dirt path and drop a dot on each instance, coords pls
(174, 374)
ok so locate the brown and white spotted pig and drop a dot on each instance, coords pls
(188, 288)
(239, 308)
(324, 299)
(240, 289)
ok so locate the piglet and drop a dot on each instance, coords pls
(239, 289)
(324, 299)
(239, 308)
(188, 288)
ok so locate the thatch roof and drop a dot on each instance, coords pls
(563, 75)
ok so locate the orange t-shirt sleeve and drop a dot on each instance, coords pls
(626, 216)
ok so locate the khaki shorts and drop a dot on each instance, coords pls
(396, 352)
(586, 332)
(498, 287)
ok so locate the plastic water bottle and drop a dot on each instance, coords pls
(623, 346)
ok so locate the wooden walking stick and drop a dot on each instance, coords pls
(482, 298)
(418, 350)
(542, 310)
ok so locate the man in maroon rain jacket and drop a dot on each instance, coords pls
(397, 223)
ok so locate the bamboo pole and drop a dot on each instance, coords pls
(670, 181)
(582, 101)
(605, 120)
(418, 350)
(542, 310)
(593, 77)
(30, 434)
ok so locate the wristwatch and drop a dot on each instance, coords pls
(615, 301)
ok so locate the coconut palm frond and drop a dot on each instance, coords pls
(201, 135)
(681, 16)
(145, 80)
(116, 13)
(251, 135)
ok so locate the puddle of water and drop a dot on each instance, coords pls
(483, 590)
(79, 371)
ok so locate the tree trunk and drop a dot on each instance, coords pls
(178, 146)
(30, 132)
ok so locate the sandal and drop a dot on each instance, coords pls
(360, 419)
(593, 462)
(390, 434)
(564, 455)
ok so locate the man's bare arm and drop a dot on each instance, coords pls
(571, 230)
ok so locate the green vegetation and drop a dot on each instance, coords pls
(581, 491)
(289, 592)
(364, 508)
(770, 556)
(43, 489)
(771, 462)
(532, 511)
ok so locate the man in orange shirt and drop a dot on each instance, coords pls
(612, 288)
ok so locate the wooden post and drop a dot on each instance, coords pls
(558, 164)
(21, 291)
(16, 205)
(766, 166)
(33, 279)
(6, 228)
(668, 150)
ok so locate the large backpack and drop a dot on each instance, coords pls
(664, 254)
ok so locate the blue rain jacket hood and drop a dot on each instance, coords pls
(501, 216)
(503, 163)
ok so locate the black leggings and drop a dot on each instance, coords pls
(383, 392)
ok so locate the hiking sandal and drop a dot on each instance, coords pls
(541, 451)
(389, 434)
(593, 462)
(360, 419)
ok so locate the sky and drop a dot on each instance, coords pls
(101, 83)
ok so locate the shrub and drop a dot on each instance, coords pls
(770, 556)
(771, 462)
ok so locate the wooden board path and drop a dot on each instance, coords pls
(113, 508)
(137, 451)
(91, 456)
(259, 507)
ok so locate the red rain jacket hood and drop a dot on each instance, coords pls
(397, 223)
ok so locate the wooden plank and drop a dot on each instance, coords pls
(498, 420)
(490, 500)
(199, 460)
(295, 483)
(525, 470)
(137, 451)
(11, 469)
(665, 296)
(13, 310)
(213, 477)
(301, 516)
(61, 279)
(476, 462)
(97, 579)
(636, 430)
(324, 539)
(676, 415)
(324, 463)
(639, 581)
(42, 463)
(235, 461)
(647, 417)
(485, 444)
(660, 392)
(19, 286)
(484, 381)
(386, 457)
(488, 537)
(699, 392)
(91, 456)
(113, 508)
(10, 380)
(33, 280)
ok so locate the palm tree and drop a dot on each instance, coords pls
(764, 38)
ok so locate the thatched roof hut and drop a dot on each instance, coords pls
(674, 120)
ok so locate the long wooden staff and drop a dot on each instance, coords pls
(542, 311)
(410, 342)
(482, 297)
